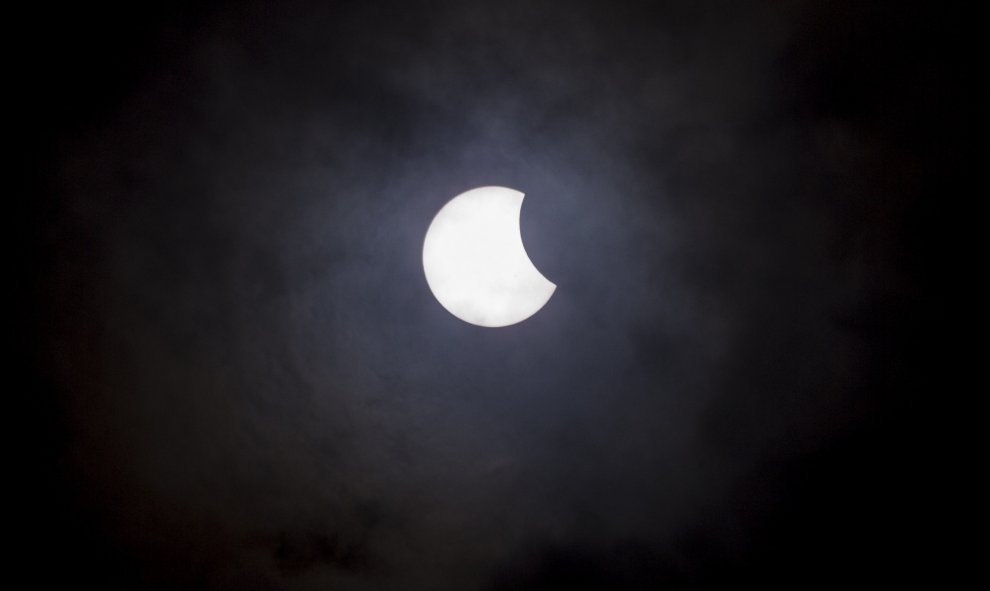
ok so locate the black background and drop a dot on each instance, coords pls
(235, 377)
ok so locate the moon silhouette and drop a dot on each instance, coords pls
(475, 262)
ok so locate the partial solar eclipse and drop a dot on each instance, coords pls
(475, 262)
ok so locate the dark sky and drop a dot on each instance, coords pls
(236, 376)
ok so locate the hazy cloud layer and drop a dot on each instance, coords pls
(259, 391)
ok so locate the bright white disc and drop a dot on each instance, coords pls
(475, 262)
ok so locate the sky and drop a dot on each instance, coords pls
(235, 375)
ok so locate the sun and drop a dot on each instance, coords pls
(475, 262)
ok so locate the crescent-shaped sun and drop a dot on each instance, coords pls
(475, 262)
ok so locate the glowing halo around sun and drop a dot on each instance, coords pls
(475, 262)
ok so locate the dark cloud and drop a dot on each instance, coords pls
(243, 381)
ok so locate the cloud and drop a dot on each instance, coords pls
(258, 385)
